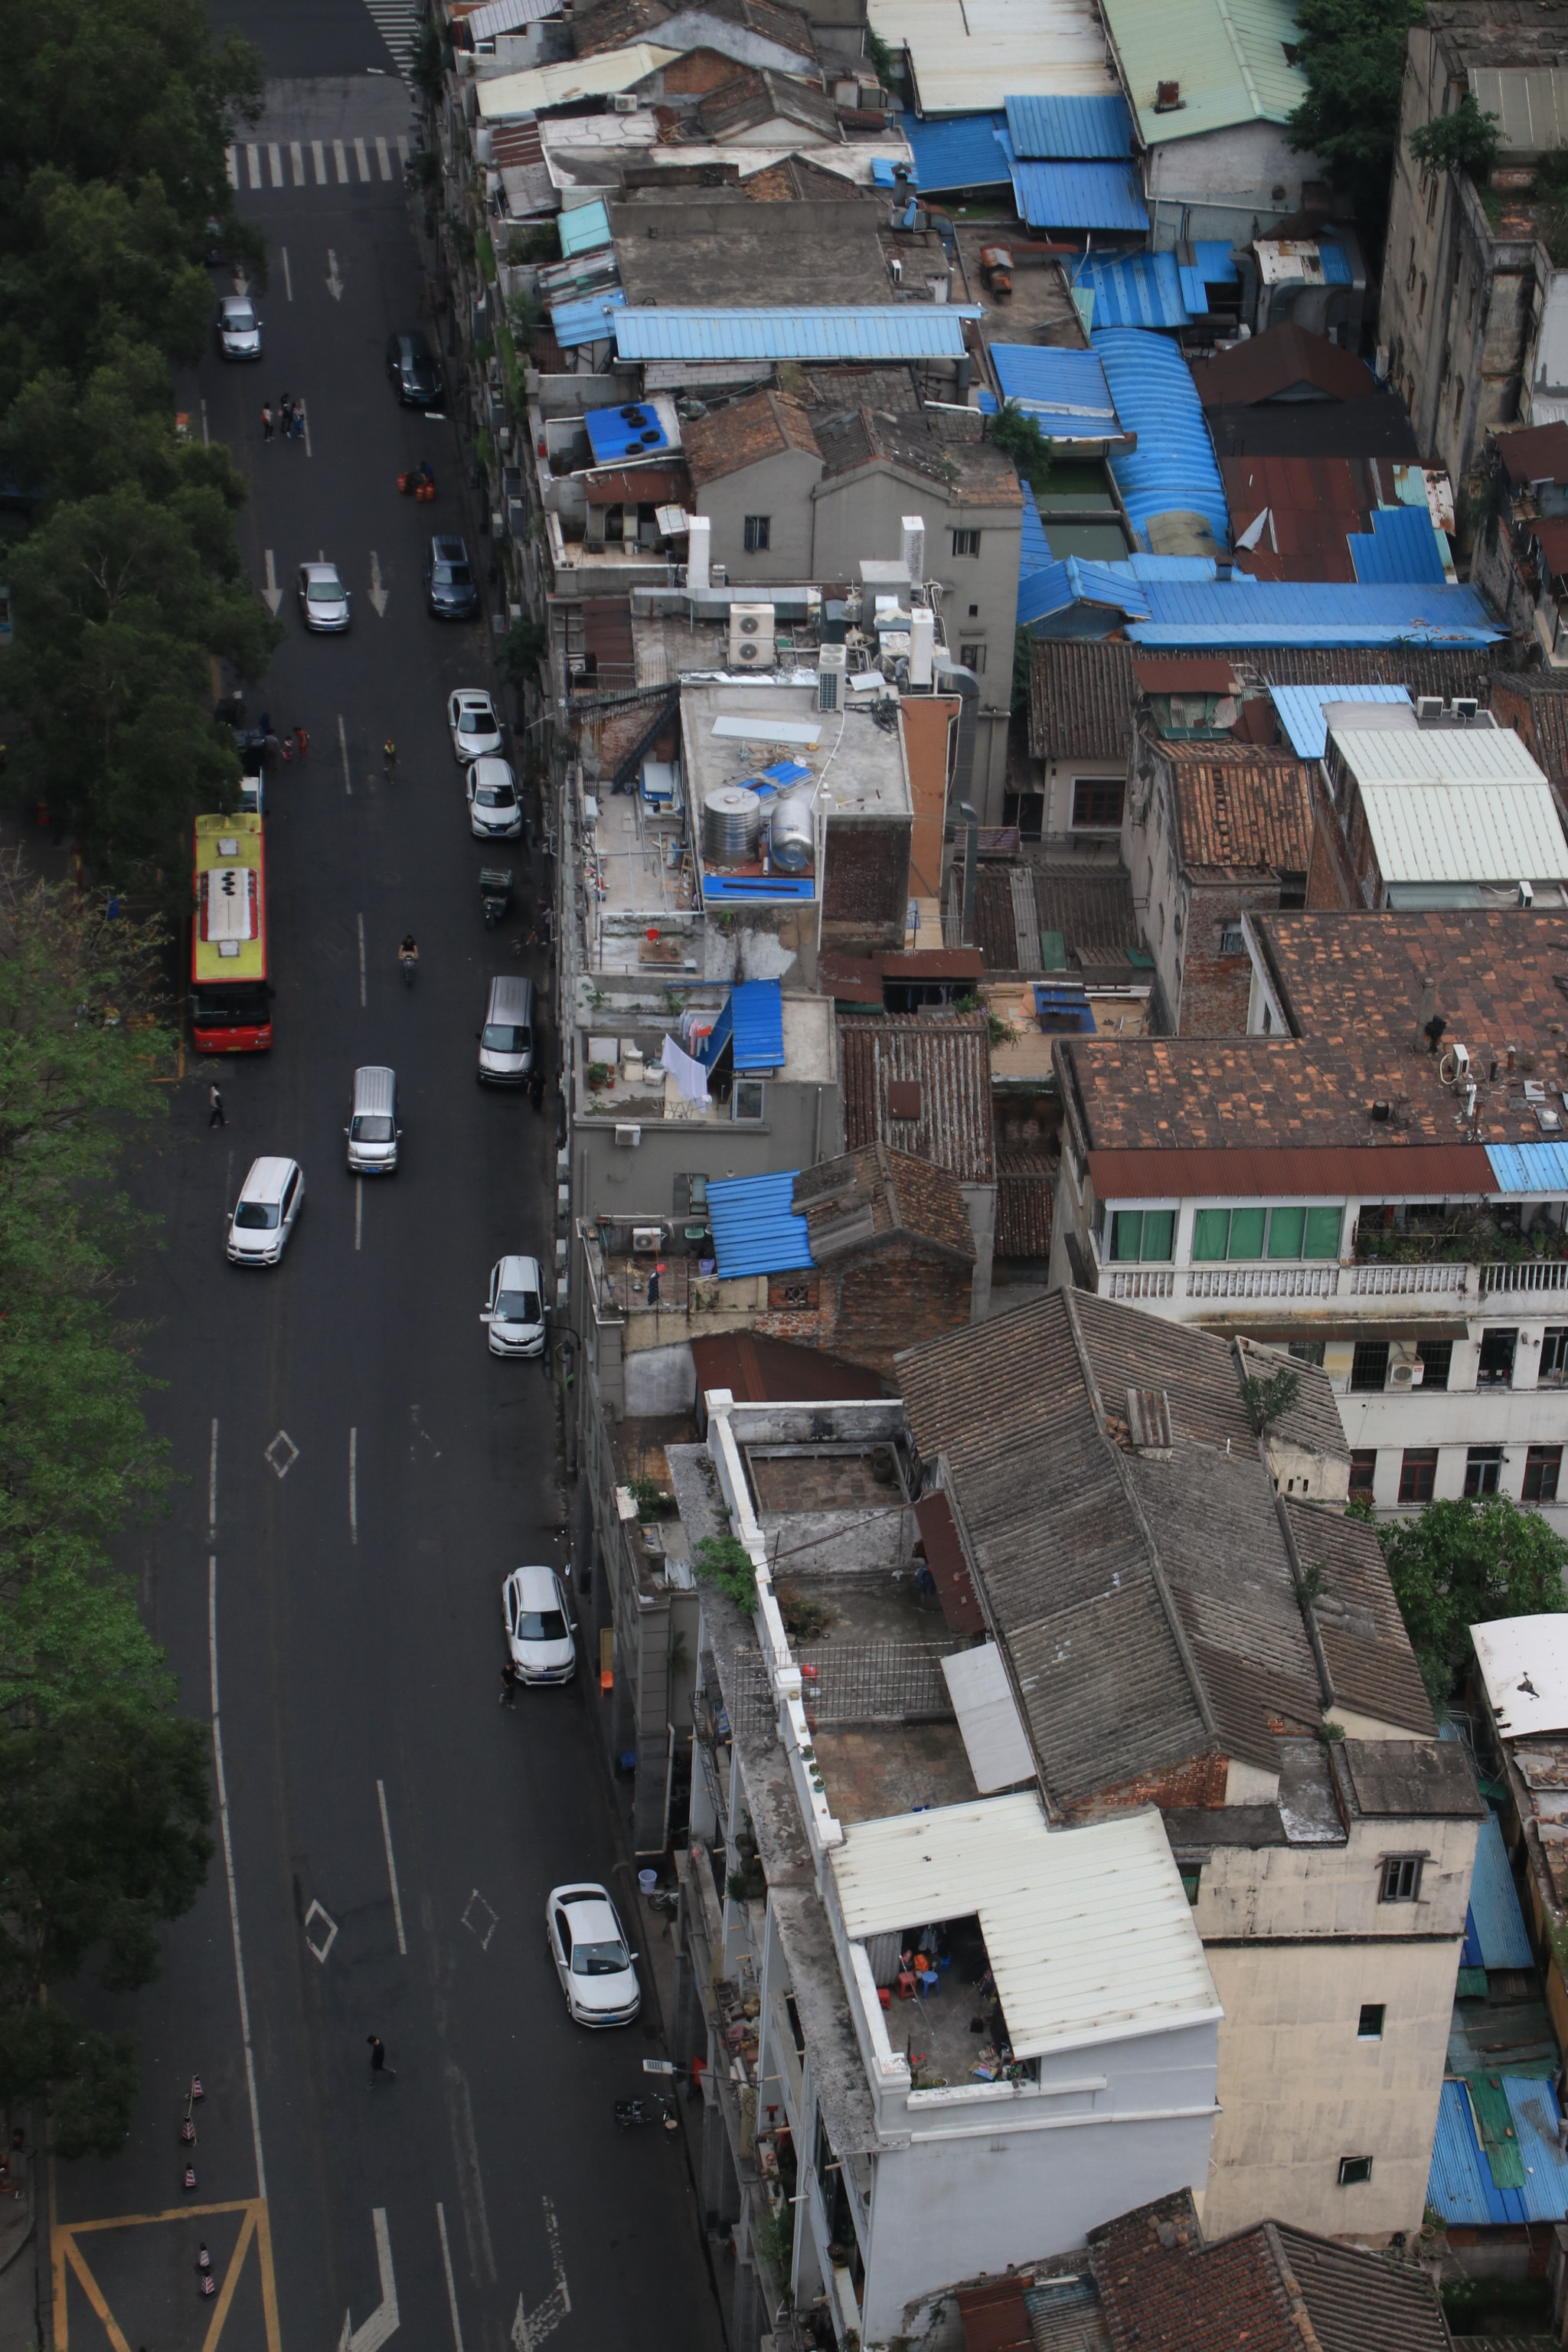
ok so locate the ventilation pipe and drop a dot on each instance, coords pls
(951, 679)
(698, 540)
(970, 869)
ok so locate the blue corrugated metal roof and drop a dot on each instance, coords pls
(1401, 545)
(1054, 130)
(1529, 1167)
(1033, 547)
(1300, 710)
(910, 331)
(754, 1229)
(966, 150)
(1460, 2186)
(1173, 467)
(757, 1008)
(1143, 290)
(587, 321)
(1065, 390)
(1075, 582)
(584, 229)
(1494, 1904)
(1243, 611)
(1336, 264)
(1533, 2106)
(1079, 195)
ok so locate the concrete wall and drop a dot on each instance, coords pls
(1218, 183)
(780, 487)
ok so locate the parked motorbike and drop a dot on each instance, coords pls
(653, 2107)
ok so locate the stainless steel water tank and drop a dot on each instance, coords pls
(790, 834)
(732, 826)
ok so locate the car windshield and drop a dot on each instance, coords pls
(496, 796)
(325, 591)
(373, 1129)
(241, 323)
(501, 1038)
(477, 718)
(454, 575)
(256, 1216)
(517, 1307)
(598, 1959)
(542, 1625)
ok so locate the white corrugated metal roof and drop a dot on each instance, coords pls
(1090, 1935)
(1465, 833)
(994, 1740)
(1524, 1665)
(971, 56)
(562, 85)
(1436, 755)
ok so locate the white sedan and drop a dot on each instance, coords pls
(591, 1956)
(263, 1217)
(495, 813)
(538, 1630)
(515, 1310)
(473, 722)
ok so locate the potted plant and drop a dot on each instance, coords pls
(597, 1074)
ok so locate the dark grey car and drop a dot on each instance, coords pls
(451, 591)
(415, 371)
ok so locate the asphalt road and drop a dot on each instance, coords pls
(350, 1589)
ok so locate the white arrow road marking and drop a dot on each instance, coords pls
(529, 2328)
(377, 593)
(282, 1455)
(382, 2322)
(273, 595)
(241, 282)
(334, 281)
(322, 1949)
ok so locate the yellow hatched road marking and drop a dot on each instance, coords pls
(65, 2251)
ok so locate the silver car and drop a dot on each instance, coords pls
(515, 1307)
(538, 1630)
(495, 813)
(239, 328)
(592, 1960)
(263, 1217)
(324, 599)
(475, 727)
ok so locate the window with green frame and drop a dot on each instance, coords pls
(1143, 1236)
(1289, 1233)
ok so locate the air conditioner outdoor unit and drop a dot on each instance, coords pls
(624, 102)
(627, 1132)
(751, 621)
(1465, 706)
(1406, 1369)
(647, 1238)
(1428, 706)
(832, 667)
(751, 652)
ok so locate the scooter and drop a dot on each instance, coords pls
(653, 2107)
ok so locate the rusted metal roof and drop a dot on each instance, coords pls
(950, 1060)
(760, 1371)
(1412, 1171)
(649, 486)
(944, 1557)
(1191, 674)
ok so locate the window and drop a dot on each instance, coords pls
(1097, 800)
(799, 1290)
(1369, 1365)
(1437, 1355)
(1353, 2170)
(974, 612)
(1554, 1357)
(1363, 1469)
(1542, 1466)
(1192, 1879)
(1495, 1369)
(1293, 889)
(1421, 306)
(1307, 1351)
(758, 528)
(1418, 1473)
(1483, 1468)
(971, 658)
(966, 543)
(1266, 1233)
(691, 1202)
(1027, 812)
(1369, 2024)
(1230, 939)
(746, 1100)
(1148, 1234)
(1401, 1879)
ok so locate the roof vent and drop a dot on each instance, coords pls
(904, 1098)
(1149, 1421)
(1168, 97)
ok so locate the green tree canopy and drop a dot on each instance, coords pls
(1467, 138)
(1353, 53)
(1461, 1563)
(1014, 430)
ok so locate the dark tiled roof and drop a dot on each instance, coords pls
(1090, 906)
(1149, 1604)
(865, 1196)
(1315, 429)
(836, 389)
(614, 24)
(1501, 980)
(744, 434)
(1276, 362)
(797, 181)
(1081, 701)
(1024, 1190)
(1236, 809)
(1539, 454)
(751, 98)
(970, 473)
(949, 1061)
(1371, 1663)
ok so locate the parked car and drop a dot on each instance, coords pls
(324, 599)
(239, 328)
(372, 1131)
(451, 591)
(515, 1307)
(414, 370)
(591, 1956)
(538, 1629)
(263, 1217)
(495, 813)
(474, 724)
(506, 1040)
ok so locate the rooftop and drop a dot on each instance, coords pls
(738, 253)
(1523, 1663)
(1303, 518)
(613, 21)
(922, 1087)
(967, 472)
(970, 56)
(1235, 810)
(744, 434)
(1231, 66)
(866, 1195)
(1080, 700)
(1288, 366)
(1074, 920)
(910, 330)
(1370, 429)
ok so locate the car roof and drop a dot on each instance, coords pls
(489, 768)
(536, 1585)
(236, 302)
(474, 697)
(591, 1899)
(446, 550)
(321, 572)
(519, 1274)
(265, 1180)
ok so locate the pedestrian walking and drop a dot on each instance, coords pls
(296, 422)
(301, 743)
(217, 1118)
(536, 1087)
(266, 422)
(288, 749)
(508, 1681)
(284, 411)
(378, 2066)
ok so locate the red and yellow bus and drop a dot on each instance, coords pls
(231, 991)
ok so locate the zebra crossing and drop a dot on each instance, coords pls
(398, 24)
(246, 164)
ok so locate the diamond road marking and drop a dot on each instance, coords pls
(282, 1455)
(322, 1949)
(475, 1916)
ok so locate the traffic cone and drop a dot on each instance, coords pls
(189, 2181)
(197, 2090)
(187, 2131)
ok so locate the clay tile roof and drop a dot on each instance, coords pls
(745, 433)
(863, 1196)
(616, 25)
(949, 1060)
(1501, 977)
(1081, 701)
(798, 180)
(753, 96)
(1278, 362)
(1371, 1663)
(1025, 1187)
(1236, 809)
(971, 473)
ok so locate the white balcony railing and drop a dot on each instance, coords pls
(1137, 1282)
(1400, 1281)
(1263, 1281)
(1531, 1274)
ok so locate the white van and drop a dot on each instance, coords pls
(372, 1131)
(506, 1040)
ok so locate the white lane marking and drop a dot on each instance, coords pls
(228, 1866)
(212, 1488)
(359, 1230)
(377, 591)
(297, 160)
(253, 163)
(392, 1868)
(288, 279)
(451, 2283)
(471, 2180)
(359, 919)
(341, 161)
(531, 2328)
(281, 1455)
(347, 787)
(354, 1434)
(319, 1951)
(231, 165)
(382, 2322)
(383, 159)
(403, 153)
(271, 595)
(206, 436)
(305, 413)
(319, 158)
(361, 159)
(476, 1926)
(334, 279)
(275, 164)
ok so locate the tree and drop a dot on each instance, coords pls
(1353, 53)
(1017, 434)
(1461, 1563)
(524, 649)
(1467, 139)
(1267, 1398)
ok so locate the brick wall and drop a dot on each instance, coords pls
(699, 72)
(1214, 988)
(1329, 886)
(866, 886)
(876, 1301)
(1200, 1781)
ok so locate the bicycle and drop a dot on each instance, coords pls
(389, 760)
